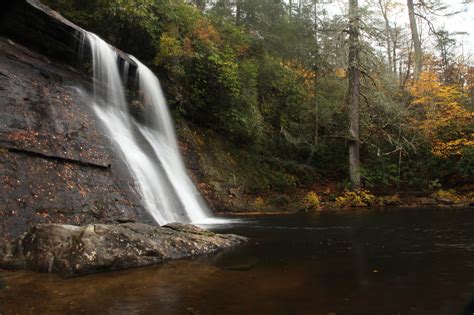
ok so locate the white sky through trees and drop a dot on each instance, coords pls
(463, 22)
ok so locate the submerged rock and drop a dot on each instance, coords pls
(74, 250)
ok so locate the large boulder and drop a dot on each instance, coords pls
(74, 250)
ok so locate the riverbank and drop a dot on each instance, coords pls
(363, 199)
(236, 181)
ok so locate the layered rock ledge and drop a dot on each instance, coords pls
(76, 250)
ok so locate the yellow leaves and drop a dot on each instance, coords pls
(358, 198)
(312, 201)
(425, 90)
(444, 122)
(340, 73)
(432, 95)
(301, 71)
(450, 195)
(451, 148)
(259, 203)
(170, 46)
(428, 91)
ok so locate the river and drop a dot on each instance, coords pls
(393, 261)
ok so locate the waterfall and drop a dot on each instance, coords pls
(149, 149)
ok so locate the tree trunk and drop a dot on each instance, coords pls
(316, 72)
(394, 52)
(200, 4)
(238, 12)
(354, 91)
(388, 34)
(416, 40)
(408, 68)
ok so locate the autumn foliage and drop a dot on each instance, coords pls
(440, 114)
(272, 80)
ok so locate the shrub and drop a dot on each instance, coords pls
(312, 201)
(446, 195)
(259, 203)
(358, 198)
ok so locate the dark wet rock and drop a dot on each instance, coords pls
(445, 201)
(72, 250)
(56, 163)
(38, 27)
(424, 201)
(213, 168)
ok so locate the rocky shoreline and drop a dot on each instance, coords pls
(71, 250)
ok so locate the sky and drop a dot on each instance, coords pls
(462, 22)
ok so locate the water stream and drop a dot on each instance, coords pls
(160, 175)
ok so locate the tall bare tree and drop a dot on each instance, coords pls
(354, 94)
(383, 4)
(416, 40)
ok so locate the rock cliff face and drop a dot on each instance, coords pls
(56, 164)
(31, 23)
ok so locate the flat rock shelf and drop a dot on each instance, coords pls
(75, 250)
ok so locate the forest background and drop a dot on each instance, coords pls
(274, 80)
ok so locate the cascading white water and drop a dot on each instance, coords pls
(167, 191)
(162, 138)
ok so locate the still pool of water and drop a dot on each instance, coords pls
(403, 261)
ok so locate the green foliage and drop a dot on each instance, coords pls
(130, 25)
(385, 175)
(465, 165)
(434, 184)
(263, 78)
